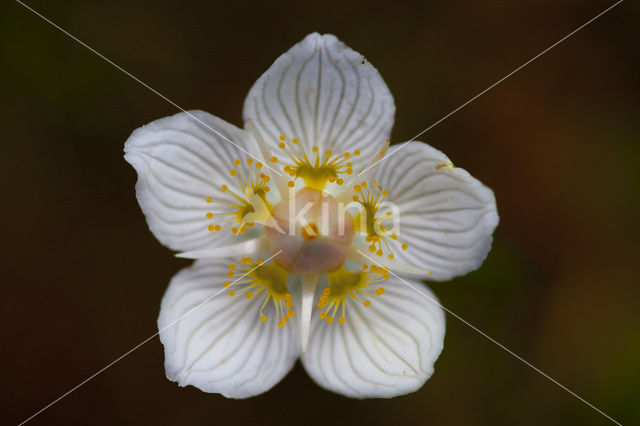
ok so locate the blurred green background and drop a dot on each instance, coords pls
(558, 142)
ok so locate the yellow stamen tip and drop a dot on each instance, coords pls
(263, 318)
(209, 200)
(282, 137)
(341, 320)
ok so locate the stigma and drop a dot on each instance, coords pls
(359, 286)
(257, 279)
(316, 169)
(250, 194)
(310, 233)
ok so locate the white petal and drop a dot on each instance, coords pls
(221, 346)
(447, 217)
(381, 351)
(180, 162)
(323, 93)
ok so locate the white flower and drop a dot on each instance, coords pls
(288, 190)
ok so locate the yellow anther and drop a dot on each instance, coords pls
(230, 273)
(232, 293)
(390, 256)
(226, 284)
(263, 318)
(294, 140)
(209, 215)
(339, 181)
(404, 246)
(354, 198)
(326, 291)
(341, 320)
(291, 184)
(379, 252)
(249, 161)
(258, 165)
(248, 295)
(274, 159)
(291, 313)
(281, 324)
(211, 228)
(329, 319)
(282, 137)
(285, 318)
(356, 152)
(232, 266)
(323, 314)
(282, 145)
(314, 149)
(372, 248)
(328, 153)
(379, 291)
(224, 188)
(209, 200)
(234, 231)
(367, 303)
(233, 172)
(357, 188)
(236, 161)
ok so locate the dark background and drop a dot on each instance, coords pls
(558, 142)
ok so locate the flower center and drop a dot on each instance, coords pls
(251, 202)
(316, 172)
(310, 232)
(356, 285)
(373, 221)
(256, 278)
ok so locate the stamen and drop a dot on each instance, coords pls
(316, 172)
(270, 279)
(359, 286)
(371, 222)
(250, 203)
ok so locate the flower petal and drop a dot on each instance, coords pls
(325, 94)
(181, 164)
(381, 351)
(217, 343)
(447, 217)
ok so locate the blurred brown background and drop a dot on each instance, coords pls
(558, 142)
